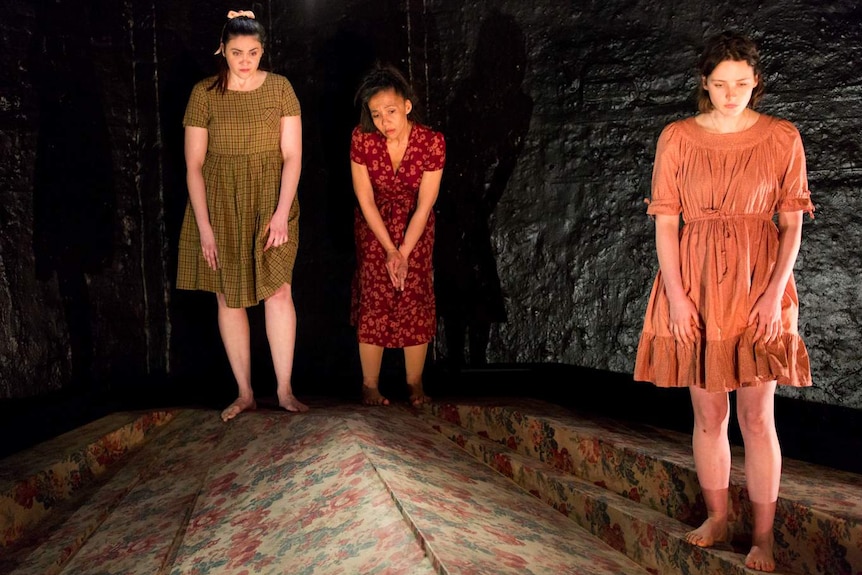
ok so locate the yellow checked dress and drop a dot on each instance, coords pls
(242, 171)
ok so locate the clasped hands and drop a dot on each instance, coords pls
(396, 266)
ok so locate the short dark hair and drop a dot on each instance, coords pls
(239, 26)
(728, 45)
(382, 77)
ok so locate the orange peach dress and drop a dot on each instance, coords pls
(727, 187)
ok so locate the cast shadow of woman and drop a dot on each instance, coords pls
(487, 122)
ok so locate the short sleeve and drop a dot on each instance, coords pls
(794, 194)
(289, 101)
(198, 108)
(436, 157)
(357, 147)
(665, 196)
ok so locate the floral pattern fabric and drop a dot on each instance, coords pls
(383, 315)
(529, 488)
(818, 525)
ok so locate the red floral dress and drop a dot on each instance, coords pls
(382, 315)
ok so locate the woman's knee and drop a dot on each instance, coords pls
(710, 412)
(755, 422)
(754, 410)
(281, 295)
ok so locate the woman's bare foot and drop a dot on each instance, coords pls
(289, 402)
(711, 531)
(372, 396)
(417, 395)
(760, 557)
(239, 405)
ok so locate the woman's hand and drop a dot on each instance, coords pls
(685, 322)
(277, 228)
(766, 317)
(396, 265)
(208, 246)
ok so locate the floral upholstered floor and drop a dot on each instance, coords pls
(451, 489)
(338, 490)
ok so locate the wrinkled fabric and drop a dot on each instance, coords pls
(383, 315)
(727, 187)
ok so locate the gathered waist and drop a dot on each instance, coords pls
(723, 216)
(267, 154)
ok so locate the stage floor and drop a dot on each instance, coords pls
(481, 486)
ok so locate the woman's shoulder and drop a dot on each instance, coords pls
(427, 131)
(681, 127)
(203, 85)
(677, 131)
(277, 79)
(429, 137)
(359, 133)
(779, 127)
(362, 140)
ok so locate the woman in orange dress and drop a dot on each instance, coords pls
(396, 164)
(722, 315)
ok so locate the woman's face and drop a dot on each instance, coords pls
(729, 86)
(243, 56)
(389, 113)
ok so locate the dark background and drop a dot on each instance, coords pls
(545, 256)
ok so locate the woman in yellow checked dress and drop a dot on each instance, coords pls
(243, 148)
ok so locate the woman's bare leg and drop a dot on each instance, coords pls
(414, 362)
(233, 327)
(756, 415)
(281, 333)
(371, 358)
(711, 449)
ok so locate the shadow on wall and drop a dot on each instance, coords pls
(73, 201)
(488, 119)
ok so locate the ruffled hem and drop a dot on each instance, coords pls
(723, 365)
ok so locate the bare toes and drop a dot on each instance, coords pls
(417, 395)
(238, 406)
(372, 396)
(290, 403)
(760, 559)
(708, 534)
(419, 399)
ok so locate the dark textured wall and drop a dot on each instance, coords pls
(551, 112)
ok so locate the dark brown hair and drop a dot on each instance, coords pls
(239, 26)
(727, 46)
(382, 77)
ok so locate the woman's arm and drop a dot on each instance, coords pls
(429, 187)
(195, 151)
(365, 196)
(684, 319)
(766, 313)
(290, 142)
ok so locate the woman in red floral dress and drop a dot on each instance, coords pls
(396, 164)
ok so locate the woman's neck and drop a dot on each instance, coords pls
(729, 125)
(246, 84)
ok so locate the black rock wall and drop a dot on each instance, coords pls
(551, 112)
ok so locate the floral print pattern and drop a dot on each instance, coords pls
(34, 482)
(818, 523)
(344, 490)
(382, 315)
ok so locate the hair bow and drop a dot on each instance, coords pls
(230, 16)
